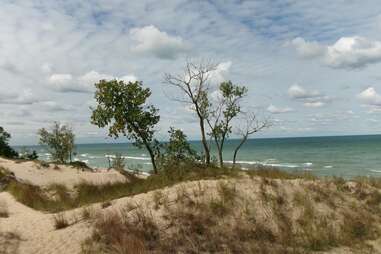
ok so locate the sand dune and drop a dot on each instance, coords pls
(33, 173)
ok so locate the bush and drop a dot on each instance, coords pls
(118, 163)
(5, 149)
(79, 165)
(28, 155)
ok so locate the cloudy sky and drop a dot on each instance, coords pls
(312, 66)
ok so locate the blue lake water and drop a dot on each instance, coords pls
(345, 156)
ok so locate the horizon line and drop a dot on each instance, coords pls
(256, 138)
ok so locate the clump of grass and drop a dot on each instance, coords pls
(106, 204)
(60, 221)
(87, 213)
(54, 198)
(157, 199)
(44, 164)
(79, 165)
(9, 242)
(4, 213)
(374, 199)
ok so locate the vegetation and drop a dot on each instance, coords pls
(178, 150)
(59, 140)
(221, 116)
(228, 220)
(5, 149)
(4, 213)
(28, 155)
(118, 163)
(219, 113)
(123, 108)
(194, 84)
(60, 221)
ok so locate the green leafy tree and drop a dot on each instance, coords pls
(178, 149)
(124, 109)
(59, 140)
(226, 108)
(5, 149)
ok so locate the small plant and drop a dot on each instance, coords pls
(118, 163)
(79, 165)
(60, 221)
(9, 242)
(106, 204)
(87, 213)
(4, 213)
(157, 199)
(44, 164)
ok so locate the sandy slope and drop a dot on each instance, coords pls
(38, 234)
(33, 173)
(37, 230)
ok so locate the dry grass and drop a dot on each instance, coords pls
(9, 242)
(225, 219)
(60, 221)
(4, 213)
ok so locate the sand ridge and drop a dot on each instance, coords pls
(32, 172)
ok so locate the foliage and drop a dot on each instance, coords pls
(225, 110)
(194, 84)
(118, 163)
(28, 155)
(123, 108)
(178, 150)
(5, 149)
(79, 165)
(59, 140)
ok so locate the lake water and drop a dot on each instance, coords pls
(345, 156)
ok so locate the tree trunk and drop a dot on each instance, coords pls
(151, 154)
(237, 149)
(220, 158)
(204, 142)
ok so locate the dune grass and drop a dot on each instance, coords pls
(229, 222)
(57, 198)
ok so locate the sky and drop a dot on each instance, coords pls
(312, 67)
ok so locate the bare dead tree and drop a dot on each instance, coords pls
(250, 125)
(194, 83)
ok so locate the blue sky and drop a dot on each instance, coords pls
(311, 66)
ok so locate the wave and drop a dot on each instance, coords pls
(280, 165)
(375, 171)
(328, 166)
(128, 157)
(308, 164)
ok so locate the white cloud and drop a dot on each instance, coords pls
(346, 53)
(221, 73)
(298, 92)
(150, 40)
(307, 49)
(310, 98)
(25, 97)
(84, 83)
(278, 110)
(353, 52)
(314, 104)
(370, 97)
